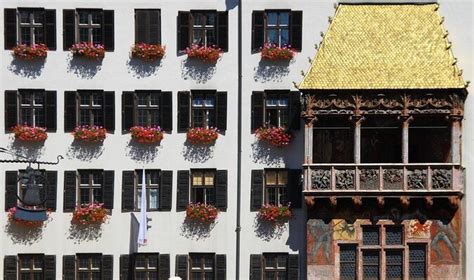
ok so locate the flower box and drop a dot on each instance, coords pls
(92, 213)
(88, 50)
(20, 222)
(200, 212)
(272, 213)
(274, 52)
(148, 51)
(34, 51)
(149, 135)
(30, 133)
(204, 136)
(275, 136)
(209, 54)
(93, 134)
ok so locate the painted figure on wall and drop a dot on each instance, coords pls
(445, 241)
(319, 237)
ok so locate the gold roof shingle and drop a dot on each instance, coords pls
(389, 46)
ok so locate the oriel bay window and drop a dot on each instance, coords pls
(276, 108)
(429, 139)
(30, 267)
(30, 26)
(158, 185)
(279, 27)
(274, 266)
(88, 186)
(88, 267)
(202, 108)
(32, 107)
(333, 140)
(204, 28)
(201, 266)
(88, 25)
(89, 107)
(381, 140)
(147, 108)
(147, 266)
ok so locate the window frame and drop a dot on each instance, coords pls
(147, 270)
(147, 108)
(32, 106)
(32, 269)
(93, 110)
(202, 268)
(276, 270)
(90, 269)
(277, 27)
(90, 186)
(207, 200)
(32, 25)
(207, 111)
(281, 110)
(90, 26)
(278, 187)
(137, 187)
(204, 14)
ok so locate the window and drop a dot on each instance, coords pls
(278, 108)
(347, 261)
(204, 28)
(333, 141)
(202, 266)
(89, 107)
(146, 266)
(89, 267)
(202, 186)
(417, 258)
(381, 140)
(279, 27)
(147, 26)
(32, 108)
(275, 266)
(276, 182)
(147, 108)
(90, 186)
(429, 139)
(89, 26)
(152, 178)
(203, 109)
(31, 267)
(30, 26)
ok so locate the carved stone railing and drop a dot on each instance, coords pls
(389, 179)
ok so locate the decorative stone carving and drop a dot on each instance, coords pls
(345, 179)
(417, 179)
(393, 179)
(441, 179)
(369, 179)
(321, 179)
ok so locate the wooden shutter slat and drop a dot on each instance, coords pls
(51, 191)
(69, 29)
(256, 192)
(11, 109)
(258, 30)
(70, 178)
(10, 268)
(221, 190)
(70, 116)
(108, 189)
(255, 267)
(183, 190)
(183, 110)
(296, 30)
(166, 107)
(49, 267)
(107, 267)
(182, 266)
(221, 118)
(69, 267)
(295, 110)
(50, 29)
(257, 110)
(128, 110)
(109, 110)
(154, 27)
(223, 30)
(128, 191)
(295, 187)
(51, 113)
(221, 266)
(141, 26)
(183, 30)
(10, 31)
(11, 189)
(164, 267)
(125, 267)
(108, 30)
(166, 189)
(293, 266)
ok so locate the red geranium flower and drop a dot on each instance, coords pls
(202, 212)
(272, 213)
(92, 213)
(200, 135)
(148, 135)
(88, 50)
(24, 51)
(207, 54)
(30, 133)
(274, 52)
(86, 133)
(275, 136)
(148, 51)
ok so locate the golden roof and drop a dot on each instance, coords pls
(385, 46)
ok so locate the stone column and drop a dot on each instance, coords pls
(357, 120)
(405, 137)
(456, 138)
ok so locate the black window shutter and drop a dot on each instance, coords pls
(293, 267)
(166, 111)
(258, 30)
(128, 110)
(109, 110)
(11, 103)
(155, 27)
(50, 29)
(221, 189)
(141, 24)
(11, 189)
(296, 29)
(107, 267)
(166, 188)
(108, 30)
(221, 266)
(182, 266)
(51, 190)
(256, 192)
(125, 267)
(183, 30)
(221, 118)
(223, 30)
(256, 267)
(10, 28)
(10, 267)
(128, 191)
(183, 110)
(295, 187)
(51, 113)
(69, 267)
(295, 110)
(70, 117)
(108, 189)
(69, 29)
(49, 267)
(164, 267)
(183, 190)
(257, 110)
(69, 191)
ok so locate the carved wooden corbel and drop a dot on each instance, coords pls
(454, 201)
(429, 202)
(380, 201)
(333, 201)
(310, 202)
(405, 202)
(357, 200)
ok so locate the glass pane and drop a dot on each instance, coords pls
(210, 199)
(96, 18)
(142, 117)
(97, 195)
(393, 235)
(211, 19)
(281, 275)
(209, 179)
(38, 262)
(140, 275)
(209, 101)
(25, 35)
(96, 276)
(39, 118)
(38, 17)
(25, 17)
(370, 235)
(152, 275)
(142, 99)
(284, 37)
(371, 264)
(209, 262)
(283, 101)
(282, 178)
(85, 196)
(197, 19)
(198, 118)
(154, 177)
(83, 17)
(155, 117)
(85, 99)
(198, 36)
(97, 178)
(152, 261)
(270, 261)
(284, 18)
(210, 38)
(272, 18)
(97, 35)
(140, 261)
(153, 198)
(154, 100)
(209, 276)
(83, 262)
(38, 276)
(25, 261)
(198, 101)
(272, 36)
(26, 117)
(139, 198)
(83, 276)
(196, 276)
(282, 259)
(197, 178)
(271, 178)
(83, 35)
(198, 195)
(270, 275)
(38, 99)
(97, 99)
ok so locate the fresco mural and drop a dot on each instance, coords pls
(319, 241)
(417, 230)
(343, 230)
(445, 241)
